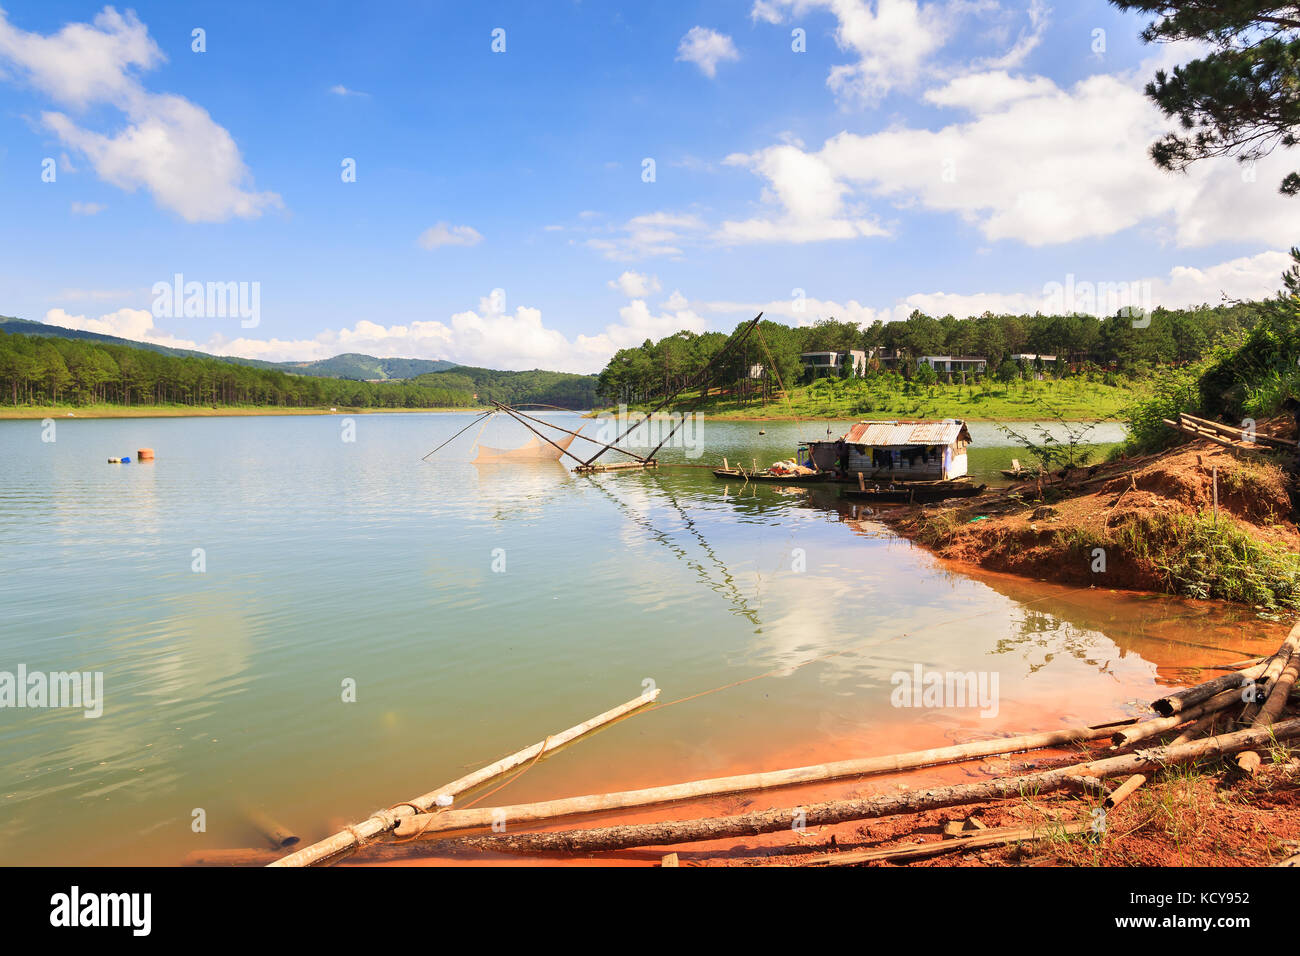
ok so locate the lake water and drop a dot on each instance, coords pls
(322, 562)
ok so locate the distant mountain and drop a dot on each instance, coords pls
(351, 365)
(366, 367)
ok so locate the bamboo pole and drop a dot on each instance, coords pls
(577, 434)
(1125, 789)
(459, 433)
(385, 820)
(1277, 696)
(1150, 728)
(736, 338)
(1272, 670)
(672, 832)
(1180, 700)
(513, 414)
(449, 820)
(1234, 432)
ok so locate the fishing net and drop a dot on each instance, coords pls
(534, 450)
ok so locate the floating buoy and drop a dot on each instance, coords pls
(144, 454)
(762, 432)
(126, 460)
(115, 461)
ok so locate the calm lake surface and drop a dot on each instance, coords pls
(329, 561)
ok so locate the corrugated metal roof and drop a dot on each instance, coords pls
(907, 433)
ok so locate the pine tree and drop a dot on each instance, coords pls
(1242, 98)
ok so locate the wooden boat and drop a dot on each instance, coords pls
(1018, 472)
(736, 474)
(914, 492)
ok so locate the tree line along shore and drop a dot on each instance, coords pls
(49, 373)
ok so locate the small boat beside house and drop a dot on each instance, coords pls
(914, 492)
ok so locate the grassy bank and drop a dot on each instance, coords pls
(1149, 525)
(188, 411)
(1075, 399)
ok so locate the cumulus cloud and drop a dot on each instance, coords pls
(896, 43)
(443, 234)
(1247, 277)
(809, 196)
(635, 285)
(1030, 161)
(87, 208)
(891, 40)
(706, 49)
(170, 146)
(488, 335)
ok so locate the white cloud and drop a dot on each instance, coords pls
(1248, 277)
(891, 40)
(487, 336)
(1035, 163)
(635, 285)
(983, 92)
(136, 324)
(895, 43)
(171, 146)
(808, 194)
(652, 234)
(338, 89)
(443, 234)
(1028, 40)
(706, 48)
(87, 208)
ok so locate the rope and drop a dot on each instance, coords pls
(483, 796)
(458, 434)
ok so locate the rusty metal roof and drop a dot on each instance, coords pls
(907, 433)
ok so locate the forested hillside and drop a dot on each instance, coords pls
(57, 370)
(1117, 343)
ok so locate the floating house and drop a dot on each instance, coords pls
(896, 451)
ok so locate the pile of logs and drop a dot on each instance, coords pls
(1244, 440)
(1236, 717)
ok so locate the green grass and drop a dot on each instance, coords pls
(1076, 399)
(1201, 559)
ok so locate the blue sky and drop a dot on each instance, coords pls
(951, 156)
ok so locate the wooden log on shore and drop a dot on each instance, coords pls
(1235, 432)
(1144, 729)
(385, 820)
(477, 818)
(1249, 760)
(1125, 789)
(1273, 668)
(1207, 435)
(1173, 703)
(978, 839)
(670, 832)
